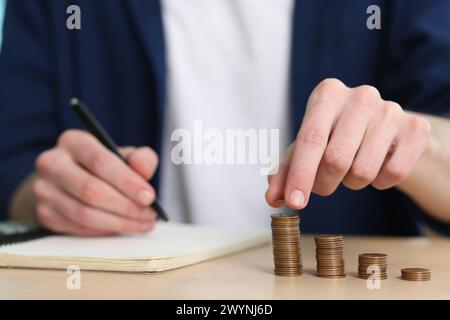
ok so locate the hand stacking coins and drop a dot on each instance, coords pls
(330, 256)
(372, 265)
(286, 245)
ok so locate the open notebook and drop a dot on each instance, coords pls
(169, 246)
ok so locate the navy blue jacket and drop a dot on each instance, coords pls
(116, 63)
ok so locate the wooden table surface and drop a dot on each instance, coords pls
(249, 275)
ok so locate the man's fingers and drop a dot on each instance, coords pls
(144, 161)
(91, 154)
(324, 105)
(349, 135)
(56, 222)
(375, 146)
(342, 147)
(126, 151)
(86, 216)
(405, 154)
(277, 182)
(57, 166)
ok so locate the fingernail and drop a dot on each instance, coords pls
(297, 198)
(146, 197)
(278, 203)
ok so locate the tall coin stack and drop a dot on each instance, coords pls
(416, 274)
(376, 261)
(286, 245)
(330, 256)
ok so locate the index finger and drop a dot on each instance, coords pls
(309, 147)
(91, 154)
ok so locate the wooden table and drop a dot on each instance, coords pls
(249, 275)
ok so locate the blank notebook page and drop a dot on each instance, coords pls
(167, 241)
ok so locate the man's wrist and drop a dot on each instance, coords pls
(434, 150)
(23, 203)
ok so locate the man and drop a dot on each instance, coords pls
(312, 69)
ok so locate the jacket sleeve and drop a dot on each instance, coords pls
(417, 67)
(417, 61)
(27, 118)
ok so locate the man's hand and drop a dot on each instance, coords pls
(348, 135)
(83, 188)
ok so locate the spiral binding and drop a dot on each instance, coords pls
(24, 236)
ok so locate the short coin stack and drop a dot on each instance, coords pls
(330, 256)
(372, 264)
(286, 245)
(416, 274)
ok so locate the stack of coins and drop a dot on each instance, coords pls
(286, 245)
(416, 274)
(330, 256)
(372, 264)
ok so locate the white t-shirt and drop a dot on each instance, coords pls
(228, 69)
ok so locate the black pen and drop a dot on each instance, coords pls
(94, 127)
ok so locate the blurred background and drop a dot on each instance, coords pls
(2, 11)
